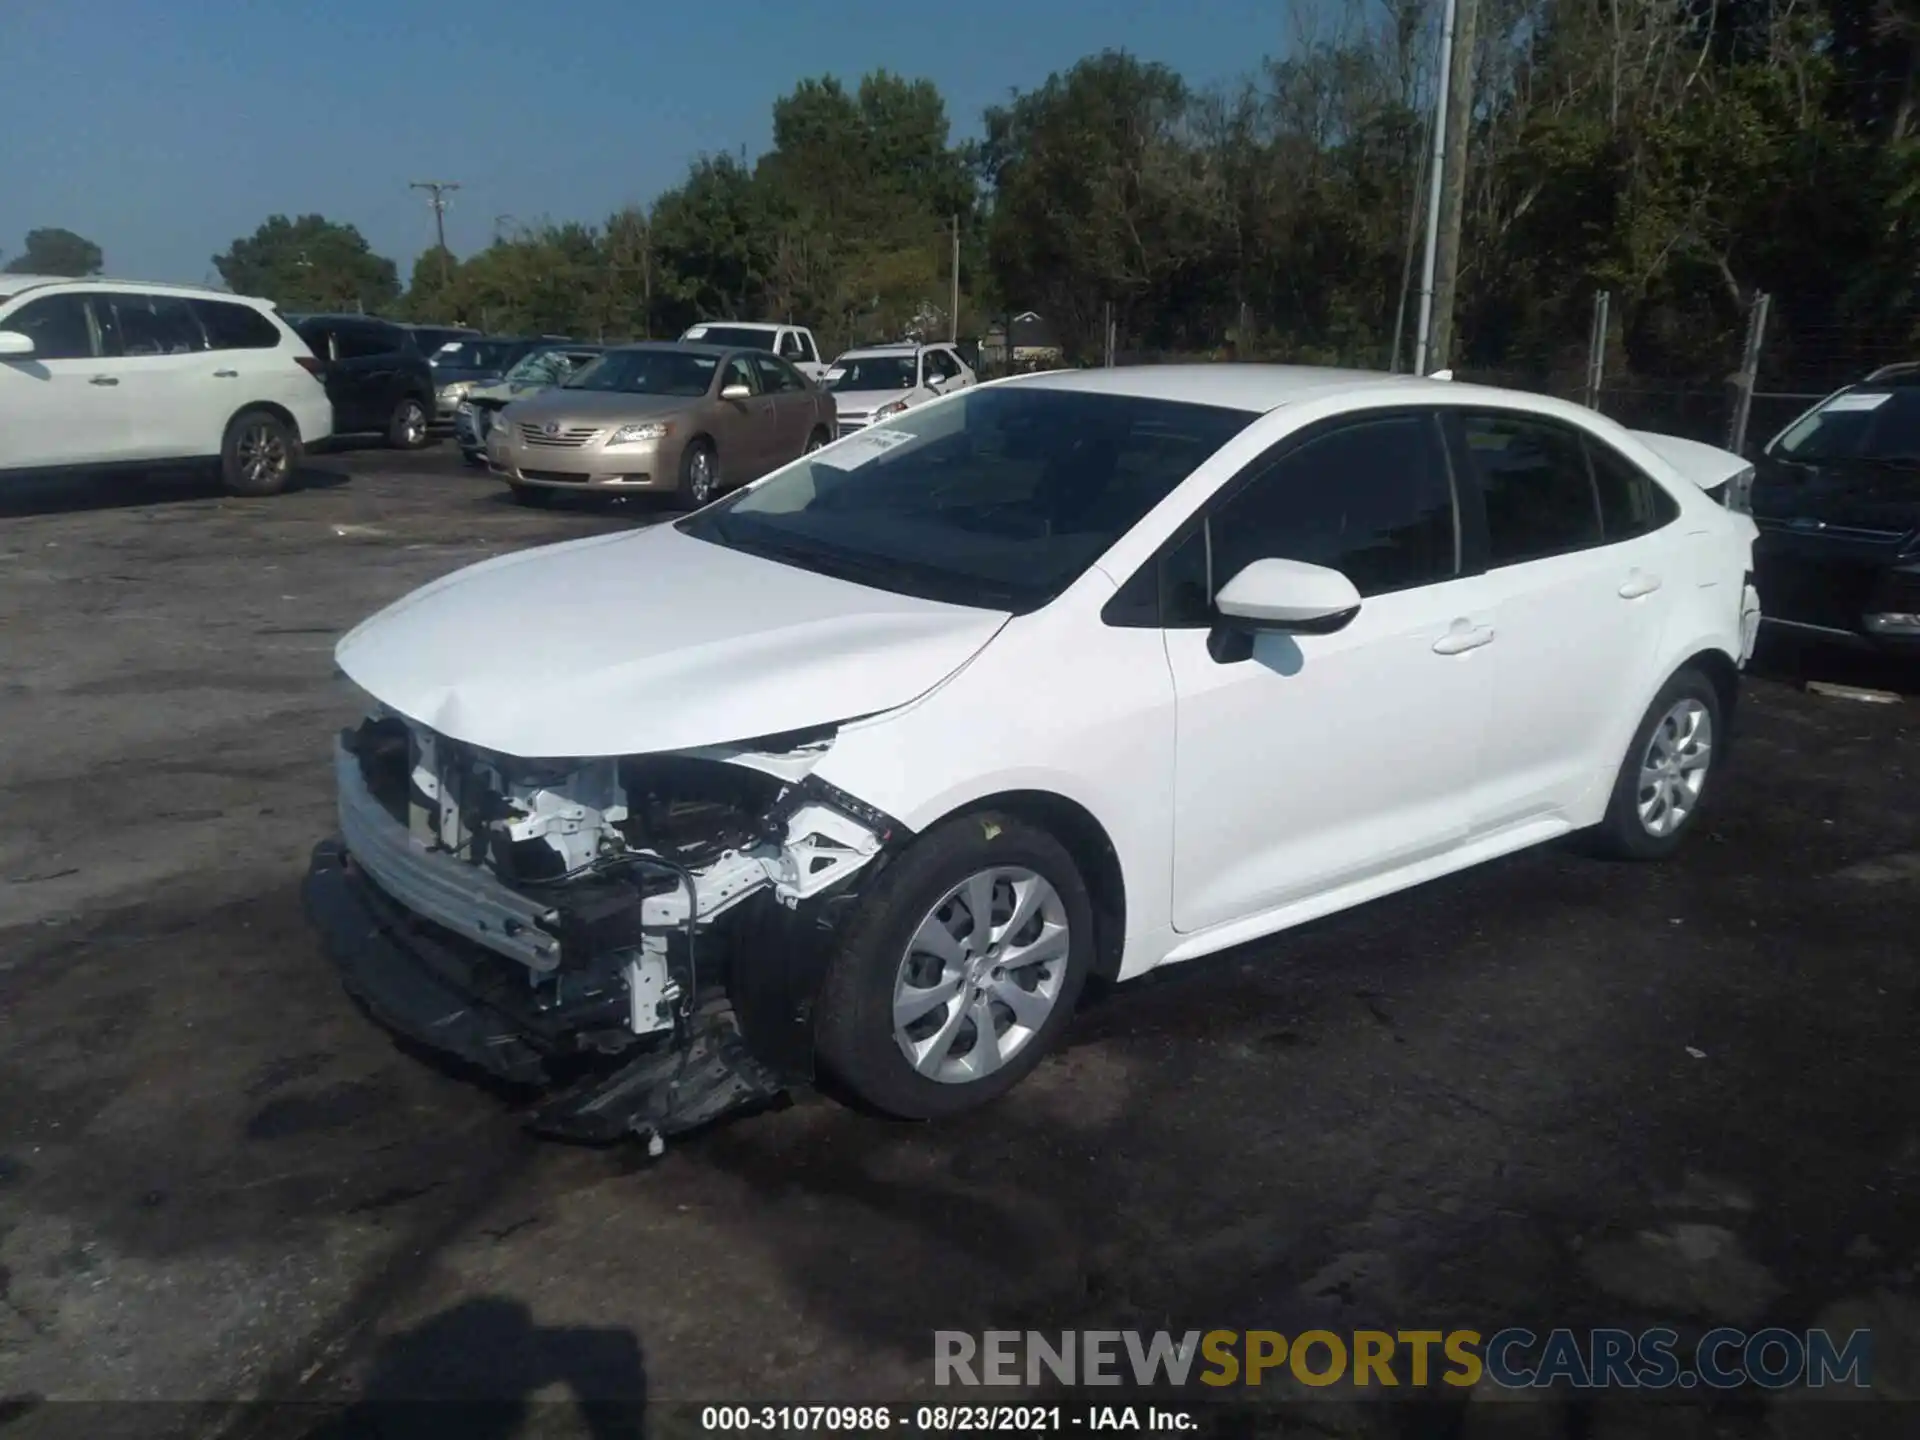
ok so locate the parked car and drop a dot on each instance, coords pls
(1837, 498)
(687, 420)
(878, 761)
(533, 372)
(877, 382)
(109, 374)
(792, 343)
(376, 377)
(430, 338)
(459, 365)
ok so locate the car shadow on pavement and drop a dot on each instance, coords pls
(479, 1371)
(1802, 662)
(71, 494)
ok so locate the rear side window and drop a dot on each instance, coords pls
(319, 339)
(235, 327)
(147, 325)
(363, 342)
(1372, 499)
(1539, 495)
(1631, 501)
(57, 325)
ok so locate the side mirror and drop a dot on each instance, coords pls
(735, 391)
(14, 345)
(1290, 596)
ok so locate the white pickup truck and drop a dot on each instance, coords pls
(792, 343)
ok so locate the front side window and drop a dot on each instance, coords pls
(235, 327)
(776, 375)
(1539, 496)
(998, 500)
(145, 325)
(790, 346)
(57, 325)
(738, 372)
(1372, 499)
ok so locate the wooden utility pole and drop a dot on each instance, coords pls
(953, 320)
(437, 192)
(1453, 183)
(1423, 334)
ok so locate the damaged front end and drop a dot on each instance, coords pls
(642, 938)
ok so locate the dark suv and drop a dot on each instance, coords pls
(376, 377)
(1837, 498)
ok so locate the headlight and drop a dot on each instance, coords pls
(639, 434)
(456, 391)
(891, 408)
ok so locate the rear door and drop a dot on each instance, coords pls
(1579, 559)
(792, 401)
(368, 357)
(168, 393)
(61, 404)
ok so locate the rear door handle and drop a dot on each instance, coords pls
(226, 374)
(104, 380)
(1462, 636)
(1638, 583)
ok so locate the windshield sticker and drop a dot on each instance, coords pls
(833, 373)
(1858, 401)
(857, 449)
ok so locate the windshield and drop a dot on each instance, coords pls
(999, 498)
(744, 336)
(1860, 423)
(648, 372)
(874, 372)
(543, 367)
(475, 355)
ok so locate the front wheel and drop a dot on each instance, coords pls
(816, 441)
(699, 475)
(959, 970)
(1663, 779)
(258, 454)
(407, 426)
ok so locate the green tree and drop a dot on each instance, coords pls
(310, 263)
(56, 252)
(434, 291)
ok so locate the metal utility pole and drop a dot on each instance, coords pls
(1597, 350)
(1745, 382)
(1453, 195)
(437, 191)
(953, 322)
(1423, 336)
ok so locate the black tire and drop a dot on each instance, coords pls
(818, 440)
(854, 1019)
(407, 425)
(688, 493)
(258, 454)
(1623, 834)
(534, 495)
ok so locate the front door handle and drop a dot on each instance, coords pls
(104, 380)
(1638, 583)
(1462, 636)
(226, 374)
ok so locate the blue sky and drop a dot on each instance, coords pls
(162, 129)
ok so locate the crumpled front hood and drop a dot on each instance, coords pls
(646, 641)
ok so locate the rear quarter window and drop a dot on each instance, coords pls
(230, 326)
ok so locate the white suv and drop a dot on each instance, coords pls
(101, 374)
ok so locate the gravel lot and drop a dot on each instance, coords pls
(1552, 1092)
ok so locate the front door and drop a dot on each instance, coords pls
(792, 408)
(747, 425)
(1317, 761)
(61, 404)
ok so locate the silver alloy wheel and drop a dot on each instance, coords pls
(700, 476)
(1673, 771)
(413, 423)
(262, 453)
(981, 974)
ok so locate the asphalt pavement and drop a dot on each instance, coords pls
(1552, 1091)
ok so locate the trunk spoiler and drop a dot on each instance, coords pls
(1721, 473)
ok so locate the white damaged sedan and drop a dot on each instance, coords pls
(871, 765)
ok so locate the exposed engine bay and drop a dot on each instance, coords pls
(638, 908)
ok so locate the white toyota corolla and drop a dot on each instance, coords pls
(873, 763)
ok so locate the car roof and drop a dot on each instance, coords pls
(894, 347)
(11, 285)
(1236, 386)
(743, 325)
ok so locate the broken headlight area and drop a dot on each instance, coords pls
(646, 933)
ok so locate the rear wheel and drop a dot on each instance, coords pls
(1663, 779)
(258, 454)
(959, 970)
(407, 426)
(699, 474)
